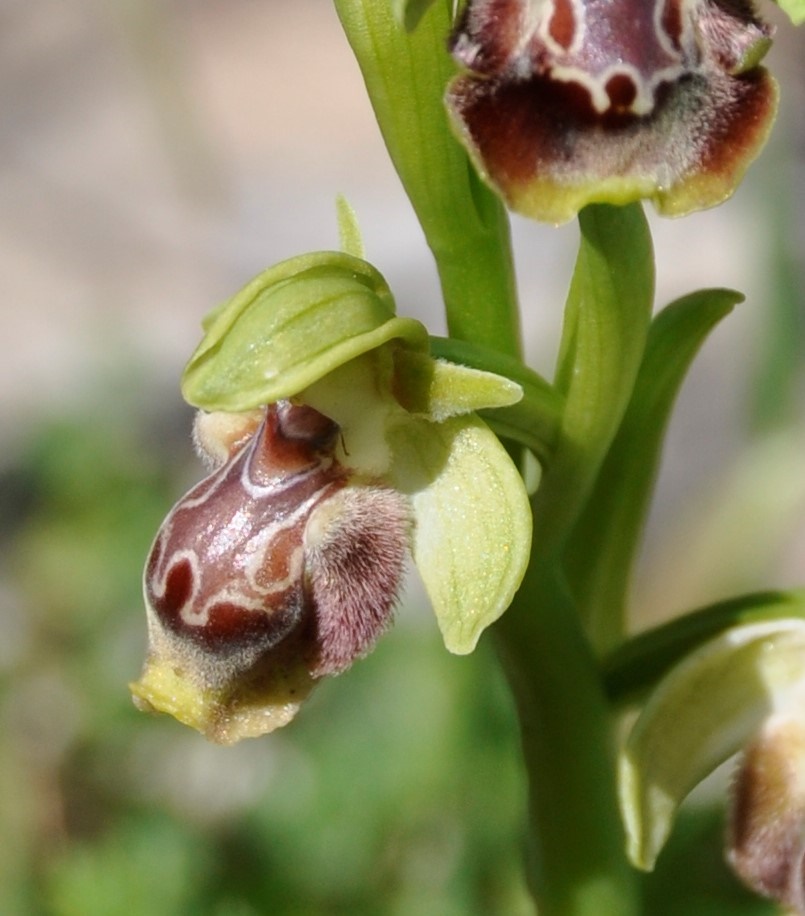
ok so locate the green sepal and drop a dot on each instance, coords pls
(289, 327)
(472, 538)
(349, 230)
(702, 713)
(635, 668)
(604, 541)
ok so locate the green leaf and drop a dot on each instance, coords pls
(473, 522)
(637, 665)
(702, 713)
(289, 327)
(606, 322)
(602, 548)
(409, 12)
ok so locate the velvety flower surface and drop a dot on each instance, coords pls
(569, 102)
(279, 568)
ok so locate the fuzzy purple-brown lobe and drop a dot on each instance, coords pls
(766, 842)
(357, 563)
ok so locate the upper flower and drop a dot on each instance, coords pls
(337, 445)
(569, 102)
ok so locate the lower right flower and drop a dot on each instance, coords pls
(742, 692)
(766, 841)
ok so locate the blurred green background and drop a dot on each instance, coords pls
(153, 157)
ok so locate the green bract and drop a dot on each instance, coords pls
(321, 329)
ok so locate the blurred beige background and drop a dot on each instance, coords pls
(155, 154)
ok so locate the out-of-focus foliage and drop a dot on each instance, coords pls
(397, 791)
(709, 889)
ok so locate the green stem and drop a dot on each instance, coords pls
(465, 225)
(578, 865)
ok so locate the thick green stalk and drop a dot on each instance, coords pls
(577, 864)
(604, 336)
(465, 225)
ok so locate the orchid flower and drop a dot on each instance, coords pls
(741, 691)
(337, 446)
(569, 102)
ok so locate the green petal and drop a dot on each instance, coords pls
(534, 420)
(289, 327)
(439, 389)
(702, 713)
(473, 522)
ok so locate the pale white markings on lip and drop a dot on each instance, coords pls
(160, 585)
(598, 49)
(278, 484)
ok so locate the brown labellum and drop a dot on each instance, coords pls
(568, 102)
(279, 552)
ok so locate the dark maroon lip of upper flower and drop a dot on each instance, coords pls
(592, 98)
(538, 127)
